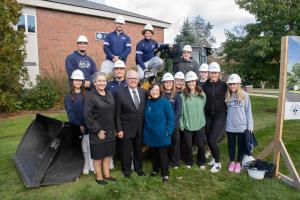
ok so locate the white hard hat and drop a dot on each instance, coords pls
(247, 161)
(234, 78)
(187, 48)
(214, 67)
(120, 19)
(148, 27)
(179, 75)
(167, 77)
(203, 67)
(82, 38)
(256, 174)
(119, 64)
(77, 75)
(191, 76)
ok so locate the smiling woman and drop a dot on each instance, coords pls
(99, 109)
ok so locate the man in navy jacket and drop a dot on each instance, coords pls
(117, 46)
(145, 52)
(79, 60)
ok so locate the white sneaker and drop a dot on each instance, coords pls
(85, 171)
(212, 162)
(188, 166)
(175, 167)
(202, 167)
(217, 167)
(111, 164)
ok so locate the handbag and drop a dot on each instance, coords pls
(250, 142)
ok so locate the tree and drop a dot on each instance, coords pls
(12, 54)
(256, 53)
(296, 70)
(185, 35)
(202, 31)
(196, 31)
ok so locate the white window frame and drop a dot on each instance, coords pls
(26, 24)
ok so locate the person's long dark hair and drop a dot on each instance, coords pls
(72, 91)
(187, 91)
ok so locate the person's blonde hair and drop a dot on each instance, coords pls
(240, 94)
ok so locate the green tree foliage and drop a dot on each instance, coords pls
(293, 77)
(296, 70)
(196, 31)
(185, 35)
(12, 55)
(256, 52)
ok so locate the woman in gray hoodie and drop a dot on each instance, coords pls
(239, 119)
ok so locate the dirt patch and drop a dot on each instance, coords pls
(26, 112)
(271, 110)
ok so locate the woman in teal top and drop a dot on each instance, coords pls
(158, 129)
(192, 120)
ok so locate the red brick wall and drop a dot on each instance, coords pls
(58, 31)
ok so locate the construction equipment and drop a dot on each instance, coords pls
(49, 153)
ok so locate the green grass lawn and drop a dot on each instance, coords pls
(184, 183)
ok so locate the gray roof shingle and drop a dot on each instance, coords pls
(102, 7)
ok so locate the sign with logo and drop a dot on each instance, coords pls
(292, 110)
(292, 94)
(100, 35)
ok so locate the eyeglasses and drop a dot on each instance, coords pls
(80, 43)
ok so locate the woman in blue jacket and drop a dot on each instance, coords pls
(170, 92)
(158, 129)
(74, 104)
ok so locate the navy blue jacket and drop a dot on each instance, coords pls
(83, 62)
(117, 45)
(159, 123)
(145, 50)
(176, 103)
(75, 108)
(114, 85)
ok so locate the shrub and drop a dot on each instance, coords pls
(43, 96)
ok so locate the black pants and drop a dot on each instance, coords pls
(182, 147)
(174, 150)
(131, 146)
(160, 160)
(214, 129)
(231, 139)
(199, 138)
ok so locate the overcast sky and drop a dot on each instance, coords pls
(223, 14)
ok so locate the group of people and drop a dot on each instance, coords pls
(190, 108)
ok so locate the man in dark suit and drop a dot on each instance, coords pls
(130, 105)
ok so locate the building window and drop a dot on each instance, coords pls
(21, 23)
(27, 23)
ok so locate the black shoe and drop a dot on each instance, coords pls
(140, 173)
(153, 174)
(101, 182)
(127, 175)
(111, 179)
(165, 179)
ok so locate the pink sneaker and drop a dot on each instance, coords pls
(237, 167)
(231, 166)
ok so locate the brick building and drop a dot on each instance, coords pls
(52, 27)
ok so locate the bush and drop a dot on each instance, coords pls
(43, 96)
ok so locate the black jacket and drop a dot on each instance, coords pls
(129, 119)
(99, 114)
(215, 96)
(186, 66)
